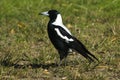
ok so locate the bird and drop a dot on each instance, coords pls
(62, 38)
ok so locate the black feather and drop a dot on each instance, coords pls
(80, 48)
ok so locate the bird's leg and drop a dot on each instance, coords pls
(56, 61)
(60, 62)
(65, 61)
(63, 55)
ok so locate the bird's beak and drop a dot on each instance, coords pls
(44, 13)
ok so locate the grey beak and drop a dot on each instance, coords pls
(44, 13)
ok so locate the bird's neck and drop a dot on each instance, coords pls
(58, 20)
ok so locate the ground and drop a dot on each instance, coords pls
(27, 54)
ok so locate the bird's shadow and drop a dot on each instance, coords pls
(34, 66)
(41, 65)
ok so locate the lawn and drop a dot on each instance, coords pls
(26, 53)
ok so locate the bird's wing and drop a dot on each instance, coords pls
(63, 34)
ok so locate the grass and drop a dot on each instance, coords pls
(26, 52)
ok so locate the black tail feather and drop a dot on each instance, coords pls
(92, 55)
(80, 48)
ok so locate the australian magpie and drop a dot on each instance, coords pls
(62, 39)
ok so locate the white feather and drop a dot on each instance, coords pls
(58, 22)
(63, 37)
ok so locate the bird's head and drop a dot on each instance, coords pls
(52, 14)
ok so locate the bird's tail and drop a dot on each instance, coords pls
(80, 48)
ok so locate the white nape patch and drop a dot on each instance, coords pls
(63, 37)
(58, 22)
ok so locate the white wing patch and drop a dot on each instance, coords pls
(58, 22)
(63, 37)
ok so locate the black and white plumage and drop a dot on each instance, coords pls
(62, 39)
